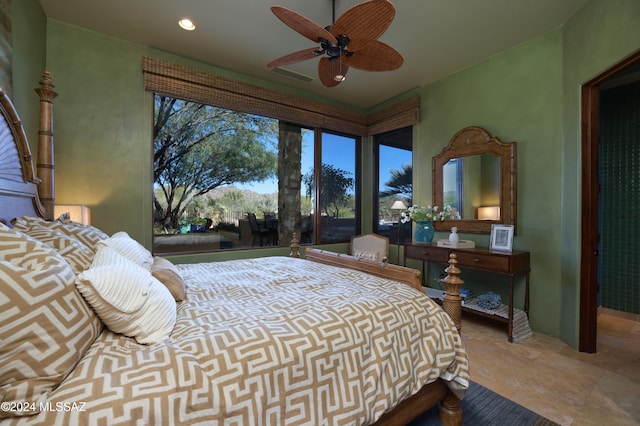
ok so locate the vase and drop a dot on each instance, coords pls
(423, 231)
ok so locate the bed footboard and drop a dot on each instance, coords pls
(405, 275)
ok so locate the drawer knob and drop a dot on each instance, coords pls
(476, 260)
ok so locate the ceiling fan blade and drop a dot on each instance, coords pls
(376, 56)
(327, 70)
(292, 58)
(302, 25)
(364, 22)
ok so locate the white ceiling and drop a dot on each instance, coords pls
(436, 37)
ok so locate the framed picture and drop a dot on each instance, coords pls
(501, 237)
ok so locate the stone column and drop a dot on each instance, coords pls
(289, 181)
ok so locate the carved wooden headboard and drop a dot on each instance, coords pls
(22, 193)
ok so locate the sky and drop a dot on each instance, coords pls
(390, 159)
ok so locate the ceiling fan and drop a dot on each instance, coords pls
(351, 41)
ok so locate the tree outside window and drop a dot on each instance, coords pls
(214, 167)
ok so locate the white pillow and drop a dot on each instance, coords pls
(129, 248)
(128, 299)
(106, 255)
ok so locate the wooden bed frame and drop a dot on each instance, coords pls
(23, 193)
(437, 392)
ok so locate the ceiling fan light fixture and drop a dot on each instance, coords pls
(353, 35)
(187, 24)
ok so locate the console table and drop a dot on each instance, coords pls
(511, 264)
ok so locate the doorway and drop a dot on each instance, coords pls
(590, 200)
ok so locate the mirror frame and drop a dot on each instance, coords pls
(473, 141)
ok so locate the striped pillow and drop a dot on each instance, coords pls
(45, 325)
(129, 248)
(127, 298)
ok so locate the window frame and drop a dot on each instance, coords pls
(396, 138)
(318, 161)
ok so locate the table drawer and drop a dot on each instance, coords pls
(483, 261)
(426, 253)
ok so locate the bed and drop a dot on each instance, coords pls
(94, 329)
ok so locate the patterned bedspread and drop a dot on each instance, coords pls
(268, 341)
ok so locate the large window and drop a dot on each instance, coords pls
(322, 121)
(338, 203)
(393, 155)
(221, 176)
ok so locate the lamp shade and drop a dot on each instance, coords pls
(489, 213)
(398, 205)
(77, 212)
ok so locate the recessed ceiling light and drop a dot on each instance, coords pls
(187, 24)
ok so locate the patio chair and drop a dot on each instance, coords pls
(258, 232)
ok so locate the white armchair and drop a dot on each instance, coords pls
(370, 247)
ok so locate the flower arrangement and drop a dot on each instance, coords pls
(429, 213)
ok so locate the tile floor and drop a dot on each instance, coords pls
(557, 382)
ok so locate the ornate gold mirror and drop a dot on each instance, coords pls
(476, 174)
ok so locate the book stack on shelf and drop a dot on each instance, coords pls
(466, 295)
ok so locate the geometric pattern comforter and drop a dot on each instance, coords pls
(268, 341)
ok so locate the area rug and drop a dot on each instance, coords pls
(483, 407)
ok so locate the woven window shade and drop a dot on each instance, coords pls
(403, 114)
(179, 81)
(183, 82)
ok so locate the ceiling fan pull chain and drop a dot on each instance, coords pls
(333, 16)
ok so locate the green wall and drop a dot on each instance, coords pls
(529, 94)
(599, 36)
(103, 121)
(516, 96)
(29, 25)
